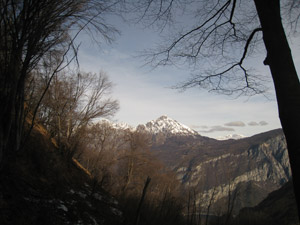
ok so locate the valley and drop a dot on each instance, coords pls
(193, 179)
(249, 168)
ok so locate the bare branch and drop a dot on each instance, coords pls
(248, 43)
(231, 17)
(215, 79)
(222, 39)
(220, 11)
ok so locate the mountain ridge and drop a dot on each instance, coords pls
(252, 166)
(167, 125)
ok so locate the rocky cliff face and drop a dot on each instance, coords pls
(244, 171)
(278, 208)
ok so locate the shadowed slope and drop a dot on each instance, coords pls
(42, 186)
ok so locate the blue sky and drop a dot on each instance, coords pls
(145, 94)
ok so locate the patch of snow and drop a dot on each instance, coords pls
(72, 191)
(116, 211)
(82, 195)
(93, 219)
(52, 201)
(231, 136)
(72, 202)
(113, 201)
(89, 204)
(80, 222)
(31, 199)
(98, 196)
(63, 207)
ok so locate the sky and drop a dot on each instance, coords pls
(145, 94)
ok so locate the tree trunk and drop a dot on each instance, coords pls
(129, 174)
(11, 113)
(286, 81)
(137, 218)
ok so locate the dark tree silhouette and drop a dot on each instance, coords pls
(29, 31)
(225, 34)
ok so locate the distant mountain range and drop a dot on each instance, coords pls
(231, 136)
(170, 127)
(245, 170)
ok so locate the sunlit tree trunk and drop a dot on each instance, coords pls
(286, 81)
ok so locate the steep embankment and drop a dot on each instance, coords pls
(41, 186)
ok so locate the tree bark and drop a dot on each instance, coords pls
(12, 106)
(129, 174)
(286, 81)
(141, 201)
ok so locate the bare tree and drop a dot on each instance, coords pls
(225, 34)
(100, 152)
(28, 31)
(72, 102)
(136, 157)
(142, 200)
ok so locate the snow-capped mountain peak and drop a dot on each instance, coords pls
(165, 124)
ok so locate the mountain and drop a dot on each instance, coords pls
(249, 168)
(168, 126)
(231, 136)
(245, 170)
(164, 127)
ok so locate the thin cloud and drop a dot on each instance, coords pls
(252, 123)
(263, 123)
(235, 124)
(199, 127)
(217, 128)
